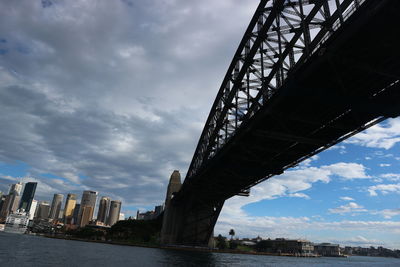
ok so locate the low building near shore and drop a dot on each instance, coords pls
(327, 250)
(297, 247)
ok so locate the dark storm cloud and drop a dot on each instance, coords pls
(117, 154)
(111, 95)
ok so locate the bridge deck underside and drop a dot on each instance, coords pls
(335, 92)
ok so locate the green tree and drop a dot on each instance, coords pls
(231, 233)
(221, 243)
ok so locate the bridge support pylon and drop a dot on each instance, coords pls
(190, 223)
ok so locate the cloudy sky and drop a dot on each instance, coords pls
(112, 96)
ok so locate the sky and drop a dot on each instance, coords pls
(112, 96)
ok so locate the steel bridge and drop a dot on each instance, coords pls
(306, 75)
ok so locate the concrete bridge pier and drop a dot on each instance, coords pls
(188, 223)
(172, 213)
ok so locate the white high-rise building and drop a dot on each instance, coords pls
(32, 211)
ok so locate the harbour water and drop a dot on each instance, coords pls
(26, 250)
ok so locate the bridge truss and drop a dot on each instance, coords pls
(281, 36)
(306, 76)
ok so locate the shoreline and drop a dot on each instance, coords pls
(183, 248)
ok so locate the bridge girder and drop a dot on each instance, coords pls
(305, 76)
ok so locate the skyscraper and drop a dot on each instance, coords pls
(56, 206)
(27, 196)
(76, 214)
(86, 215)
(88, 200)
(115, 209)
(11, 201)
(15, 188)
(70, 204)
(104, 208)
(15, 197)
(14, 201)
(43, 211)
(33, 209)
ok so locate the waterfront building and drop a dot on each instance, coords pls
(43, 211)
(88, 200)
(348, 250)
(17, 223)
(69, 208)
(115, 210)
(148, 215)
(27, 196)
(327, 250)
(286, 246)
(104, 208)
(56, 206)
(34, 207)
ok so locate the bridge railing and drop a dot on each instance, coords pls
(281, 36)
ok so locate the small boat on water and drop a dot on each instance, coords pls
(17, 222)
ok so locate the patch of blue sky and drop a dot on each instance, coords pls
(3, 51)
(16, 169)
(326, 196)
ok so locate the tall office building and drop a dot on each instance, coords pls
(86, 215)
(15, 188)
(27, 196)
(88, 200)
(43, 211)
(69, 208)
(76, 214)
(56, 206)
(115, 209)
(33, 209)
(14, 201)
(104, 208)
(6, 207)
(11, 201)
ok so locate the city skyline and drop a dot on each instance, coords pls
(72, 214)
(126, 142)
